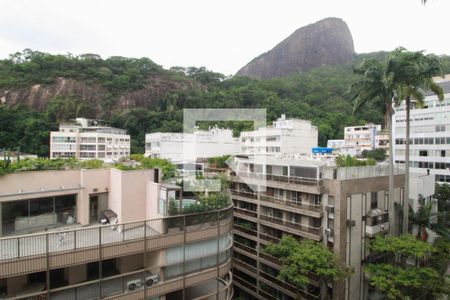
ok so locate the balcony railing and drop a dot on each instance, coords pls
(244, 283)
(297, 226)
(50, 250)
(242, 211)
(239, 227)
(291, 203)
(246, 194)
(269, 238)
(117, 287)
(245, 248)
(289, 287)
(282, 178)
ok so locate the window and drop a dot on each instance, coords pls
(440, 128)
(100, 147)
(89, 139)
(63, 139)
(373, 200)
(63, 154)
(440, 140)
(87, 154)
(101, 139)
(423, 153)
(89, 147)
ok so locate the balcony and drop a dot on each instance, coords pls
(244, 194)
(57, 249)
(301, 207)
(314, 233)
(307, 184)
(245, 214)
(116, 287)
(377, 221)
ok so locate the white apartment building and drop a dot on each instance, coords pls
(429, 135)
(361, 138)
(285, 136)
(188, 147)
(85, 139)
(335, 144)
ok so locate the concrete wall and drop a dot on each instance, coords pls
(94, 181)
(76, 274)
(126, 190)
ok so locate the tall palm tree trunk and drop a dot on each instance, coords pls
(391, 171)
(406, 193)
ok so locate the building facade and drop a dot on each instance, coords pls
(285, 136)
(343, 208)
(85, 139)
(107, 233)
(189, 147)
(429, 135)
(361, 138)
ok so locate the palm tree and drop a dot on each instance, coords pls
(413, 75)
(421, 218)
(377, 85)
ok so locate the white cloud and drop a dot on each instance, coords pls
(221, 35)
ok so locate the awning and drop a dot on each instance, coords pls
(108, 214)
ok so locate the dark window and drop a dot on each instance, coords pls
(423, 153)
(373, 200)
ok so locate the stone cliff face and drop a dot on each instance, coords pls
(37, 96)
(327, 42)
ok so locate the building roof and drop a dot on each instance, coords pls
(300, 162)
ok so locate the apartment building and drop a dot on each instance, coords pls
(189, 147)
(429, 135)
(86, 139)
(343, 208)
(361, 138)
(285, 136)
(107, 233)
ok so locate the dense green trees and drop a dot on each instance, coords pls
(442, 195)
(409, 275)
(319, 95)
(351, 161)
(300, 259)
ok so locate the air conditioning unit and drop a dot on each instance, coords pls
(150, 280)
(382, 227)
(327, 231)
(134, 284)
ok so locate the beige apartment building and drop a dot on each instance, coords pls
(343, 208)
(108, 234)
(87, 139)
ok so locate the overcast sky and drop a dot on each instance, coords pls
(221, 35)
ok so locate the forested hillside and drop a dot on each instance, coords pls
(39, 90)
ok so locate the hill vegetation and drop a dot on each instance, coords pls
(319, 95)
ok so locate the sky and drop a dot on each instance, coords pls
(221, 35)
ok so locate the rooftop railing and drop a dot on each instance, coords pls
(282, 178)
(37, 252)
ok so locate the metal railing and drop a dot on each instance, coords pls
(245, 212)
(291, 203)
(282, 178)
(245, 194)
(118, 286)
(31, 245)
(52, 250)
(297, 226)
